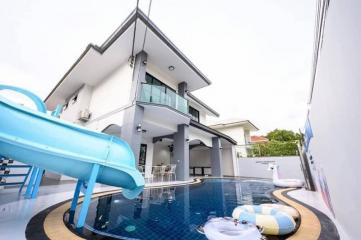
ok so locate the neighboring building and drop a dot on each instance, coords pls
(146, 100)
(335, 111)
(240, 130)
(258, 139)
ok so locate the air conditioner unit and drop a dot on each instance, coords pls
(84, 115)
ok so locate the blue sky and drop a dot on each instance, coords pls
(257, 53)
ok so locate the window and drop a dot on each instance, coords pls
(154, 81)
(164, 91)
(142, 154)
(194, 113)
(74, 99)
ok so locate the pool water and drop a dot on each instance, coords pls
(171, 212)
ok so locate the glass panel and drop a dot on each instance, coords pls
(164, 96)
(182, 104)
(172, 98)
(145, 95)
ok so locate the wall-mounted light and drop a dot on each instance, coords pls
(139, 127)
(171, 68)
(187, 140)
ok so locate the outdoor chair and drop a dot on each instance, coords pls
(171, 172)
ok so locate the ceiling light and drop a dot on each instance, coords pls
(171, 68)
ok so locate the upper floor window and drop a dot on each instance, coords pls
(194, 113)
(154, 81)
(161, 92)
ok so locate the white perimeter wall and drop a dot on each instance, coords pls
(227, 162)
(289, 167)
(336, 112)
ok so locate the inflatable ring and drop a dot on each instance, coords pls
(272, 220)
(288, 183)
(283, 208)
(226, 229)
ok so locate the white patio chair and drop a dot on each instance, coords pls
(162, 171)
(171, 172)
(159, 171)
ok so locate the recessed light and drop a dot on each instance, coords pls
(171, 68)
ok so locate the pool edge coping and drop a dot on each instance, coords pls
(54, 228)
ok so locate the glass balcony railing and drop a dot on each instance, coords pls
(163, 96)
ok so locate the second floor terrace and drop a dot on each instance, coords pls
(162, 95)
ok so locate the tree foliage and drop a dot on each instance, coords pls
(281, 143)
(282, 135)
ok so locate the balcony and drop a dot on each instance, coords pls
(161, 95)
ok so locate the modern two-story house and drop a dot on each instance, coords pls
(138, 85)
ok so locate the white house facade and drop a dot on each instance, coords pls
(138, 86)
(239, 130)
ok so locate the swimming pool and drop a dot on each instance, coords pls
(171, 212)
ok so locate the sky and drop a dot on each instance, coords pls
(257, 53)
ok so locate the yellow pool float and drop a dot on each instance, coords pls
(272, 220)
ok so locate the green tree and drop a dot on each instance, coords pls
(282, 135)
(281, 143)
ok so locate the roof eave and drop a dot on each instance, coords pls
(212, 131)
(133, 16)
(235, 124)
(200, 102)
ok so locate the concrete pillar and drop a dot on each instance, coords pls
(182, 89)
(216, 157)
(140, 69)
(149, 159)
(181, 152)
(133, 116)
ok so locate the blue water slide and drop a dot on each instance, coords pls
(36, 138)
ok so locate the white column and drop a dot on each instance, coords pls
(235, 161)
(149, 159)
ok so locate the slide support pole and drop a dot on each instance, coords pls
(87, 196)
(31, 182)
(39, 176)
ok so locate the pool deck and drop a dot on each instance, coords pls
(17, 212)
(310, 226)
